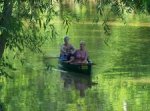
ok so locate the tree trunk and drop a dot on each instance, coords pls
(5, 23)
(2, 46)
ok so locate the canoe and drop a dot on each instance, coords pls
(78, 68)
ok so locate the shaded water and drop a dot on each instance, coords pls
(120, 80)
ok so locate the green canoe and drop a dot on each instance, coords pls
(78, 68)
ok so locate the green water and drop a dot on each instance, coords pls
(120, 80)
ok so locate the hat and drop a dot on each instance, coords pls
(66, 38)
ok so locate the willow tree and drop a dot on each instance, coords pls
(21, 21)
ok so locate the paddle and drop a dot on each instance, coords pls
(80, 63)
(93, 64)
(51, 57)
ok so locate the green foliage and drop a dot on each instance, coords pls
(28, 17)
(81, 1)
(4, 66)
(30, 22)
(117, 8)
(68, 18)
(28, 26)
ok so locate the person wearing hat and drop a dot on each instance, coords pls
(67, 50)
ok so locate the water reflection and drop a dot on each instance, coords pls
(79, 81)
(1, 107)
(121, 73)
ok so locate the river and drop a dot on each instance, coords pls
(120, 80)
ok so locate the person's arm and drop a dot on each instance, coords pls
(73, 57)
(86, 57)
(72, 49)
(62, 50)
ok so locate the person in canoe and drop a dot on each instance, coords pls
(67, 50)
(80, 55)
